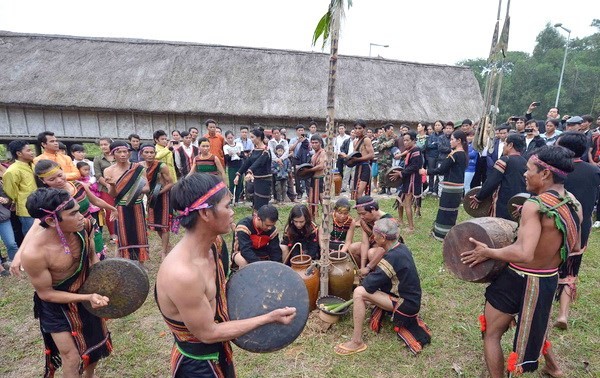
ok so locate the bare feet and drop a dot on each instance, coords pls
(553, 372)
(561, 324)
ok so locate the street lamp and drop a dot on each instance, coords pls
(562, 71)
(376, 44)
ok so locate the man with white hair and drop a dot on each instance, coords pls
(394, 287)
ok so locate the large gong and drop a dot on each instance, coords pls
(123, 281)
(262, 287)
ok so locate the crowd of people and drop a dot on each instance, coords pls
(59, 204)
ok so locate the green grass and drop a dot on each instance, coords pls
(450, 307)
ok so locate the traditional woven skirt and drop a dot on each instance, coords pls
(262, 191)
(448, 210)
(159, 215)
(132, 233)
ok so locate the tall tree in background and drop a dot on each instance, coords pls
(534, 77)
(328, 28)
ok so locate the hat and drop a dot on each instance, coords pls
(467, 122)
(575, 120)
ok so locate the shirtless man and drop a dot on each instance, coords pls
(318, 160)
(57, 255)
(159, 209)
(198, 318)
(366, 250)
(131, 220)
(532, 273)
(362, 172)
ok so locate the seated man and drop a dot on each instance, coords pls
(366, 250)
(378, 287)
(198, 318)
(57, 255)
(257, 238)
(549, 232)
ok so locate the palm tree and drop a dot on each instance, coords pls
(329, 28)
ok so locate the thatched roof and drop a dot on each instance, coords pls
(175, 77)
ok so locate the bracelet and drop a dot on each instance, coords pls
(368, 267)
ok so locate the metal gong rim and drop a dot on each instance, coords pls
(518, 200)
(123, 281)
(355, 154)
(301, 171)
(484, 207)
(262, 287)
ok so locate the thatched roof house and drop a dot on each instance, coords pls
(91, 87)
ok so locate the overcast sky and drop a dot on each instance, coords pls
(434, 31)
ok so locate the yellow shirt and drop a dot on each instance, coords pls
(19, 183)
(65, 162)
(166, 156)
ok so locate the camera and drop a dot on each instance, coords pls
(514, 119)
(529, 130)
(537, 103)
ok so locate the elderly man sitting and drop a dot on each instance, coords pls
(378, 287)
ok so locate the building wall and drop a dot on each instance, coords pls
(89, 125)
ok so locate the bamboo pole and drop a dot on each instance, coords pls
(330, 127)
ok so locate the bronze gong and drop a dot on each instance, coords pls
(484, 207)
(123, 281)
(262, 287)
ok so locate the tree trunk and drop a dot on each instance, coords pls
(330, 127)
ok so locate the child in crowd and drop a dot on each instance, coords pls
(78, 155)
(89, 180)
(280, 175)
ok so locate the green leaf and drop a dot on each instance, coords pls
(322, 29)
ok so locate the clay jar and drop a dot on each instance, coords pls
(300, 264)
(337, 183)
(341, 275)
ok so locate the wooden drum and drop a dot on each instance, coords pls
(495, 232)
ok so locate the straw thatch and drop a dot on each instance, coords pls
(186, 78)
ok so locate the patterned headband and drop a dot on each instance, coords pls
(143, 148)
(372, 202)
(112, 152)
(50, 172)
(198, 204)
(536, 160)
(54, 214)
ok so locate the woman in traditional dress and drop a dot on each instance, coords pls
(257, 170)
(233, 160)
(206, 162)
(51, 175)
(453, 170)
(300, 229)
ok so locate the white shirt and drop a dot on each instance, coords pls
(500, 147)
(233, 151)
(188, 151)
(337, 142)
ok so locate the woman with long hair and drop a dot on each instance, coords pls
(453, 170)
(233, 161)
(300, 229)
(256, 170)
(50, 174)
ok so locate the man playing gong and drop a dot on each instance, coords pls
(198, 318)
(549, 232)
(57, 255)
(393, 286)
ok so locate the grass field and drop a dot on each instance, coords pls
(450, 307)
